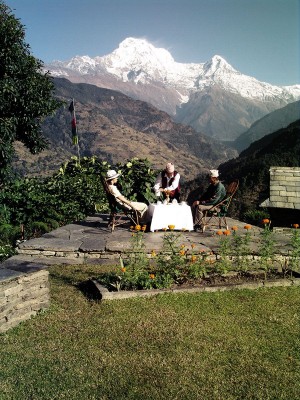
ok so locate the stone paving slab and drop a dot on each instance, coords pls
(23, 265)
(53, 244)
(93, 243)
(8, 274)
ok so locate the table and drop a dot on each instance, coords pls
(163, 215)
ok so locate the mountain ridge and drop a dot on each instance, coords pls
(138, 60)
(270, 123)
(144, 72)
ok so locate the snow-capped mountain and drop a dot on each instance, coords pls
(145, 72)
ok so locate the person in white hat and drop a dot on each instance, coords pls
(141, 208)
(168, 180)
(213, 194)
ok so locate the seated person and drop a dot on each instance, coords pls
(141, 208)
(213, 195)
(168, 180)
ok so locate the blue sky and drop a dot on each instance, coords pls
(260, 38)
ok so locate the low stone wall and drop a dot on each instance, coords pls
(22, 295)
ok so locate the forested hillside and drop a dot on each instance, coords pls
(281, 148)
(116, 128)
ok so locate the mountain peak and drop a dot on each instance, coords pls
(215, 63)
(133, 51)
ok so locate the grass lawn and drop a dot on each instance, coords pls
(227, 345)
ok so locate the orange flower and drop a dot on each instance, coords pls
(219, 233)
(138, 227)
(151, 276)
(182, 252)
(193, 245)
(193, 258)
(234, 228)
(227, 232)
(247, 227)
(265, 221)
(296, 226)
(144, 227)
(123, 269)
(171, 227)
(182, 246)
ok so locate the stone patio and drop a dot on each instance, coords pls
(91, 242)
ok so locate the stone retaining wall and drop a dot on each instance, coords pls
(22, 295)
(285, 187)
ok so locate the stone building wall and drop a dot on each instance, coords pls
(22, 295)
(284, 202)
(285, 187)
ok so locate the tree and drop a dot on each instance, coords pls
(26, 93)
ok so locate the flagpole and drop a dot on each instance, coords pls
(75, 137)
(78, 152)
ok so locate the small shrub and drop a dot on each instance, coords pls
(255, 217)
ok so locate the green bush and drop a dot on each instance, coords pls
(137, 180)
(255, 217)
(39, 205)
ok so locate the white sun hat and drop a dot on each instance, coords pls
(111, 174)
(214, 173)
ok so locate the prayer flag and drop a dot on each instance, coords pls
(73, 123)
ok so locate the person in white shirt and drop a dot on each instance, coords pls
(167, 181)
(141, 208)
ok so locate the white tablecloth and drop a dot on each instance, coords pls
(163, 215)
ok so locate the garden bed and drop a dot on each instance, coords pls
(184, 268)
(231, 281)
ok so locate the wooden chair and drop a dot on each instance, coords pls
(118, 215)
(216, 215)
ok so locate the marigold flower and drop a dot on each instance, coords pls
(296, 226)
(182, 252)
(138, 227)
(151, 276)
(144, 227)
(227, 232)
(193, 258)
(265, 221)
(234, 228)
(193, 245)
(247, 227)
(123, 269)
(219, 233)
(153, 254)
(182, 246)
(171, 227)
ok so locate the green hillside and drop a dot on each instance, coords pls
(281, 148)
